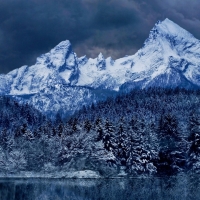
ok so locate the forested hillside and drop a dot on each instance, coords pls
(145, 132)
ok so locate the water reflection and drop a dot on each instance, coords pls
(180, 187)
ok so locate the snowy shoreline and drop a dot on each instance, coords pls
(76, 174)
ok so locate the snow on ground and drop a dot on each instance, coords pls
(72, 174)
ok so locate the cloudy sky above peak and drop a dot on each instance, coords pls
(116, 28)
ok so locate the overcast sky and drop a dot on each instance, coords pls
(116, 28)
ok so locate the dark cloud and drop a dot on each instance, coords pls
(116, 28)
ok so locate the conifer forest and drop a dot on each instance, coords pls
(154, 132)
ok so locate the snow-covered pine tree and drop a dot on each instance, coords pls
(98, 129)
(194, 139)
(140, 154)
(121, 149)
(171, 156)
(108, 138)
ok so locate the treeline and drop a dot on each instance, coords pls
(154, 131)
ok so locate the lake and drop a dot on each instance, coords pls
(179, 187)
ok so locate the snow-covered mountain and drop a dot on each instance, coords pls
(59, 81)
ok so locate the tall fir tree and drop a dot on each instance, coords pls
(108, 138)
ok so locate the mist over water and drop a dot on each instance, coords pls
(179, 187)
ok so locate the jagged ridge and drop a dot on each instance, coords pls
(61, 81)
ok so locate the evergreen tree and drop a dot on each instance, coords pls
(87, 126)
(108, 138)
(171, 157)
(194, 139)
(99, 129)
(121, 144)
(60, 129)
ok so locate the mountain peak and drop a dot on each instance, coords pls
(168, 21)
(168, 27)
(57, 56)
(100, 56)
(169, 58)
(101, 63)
(83, 60)
(62, 46)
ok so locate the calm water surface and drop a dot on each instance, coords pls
(109, 189)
